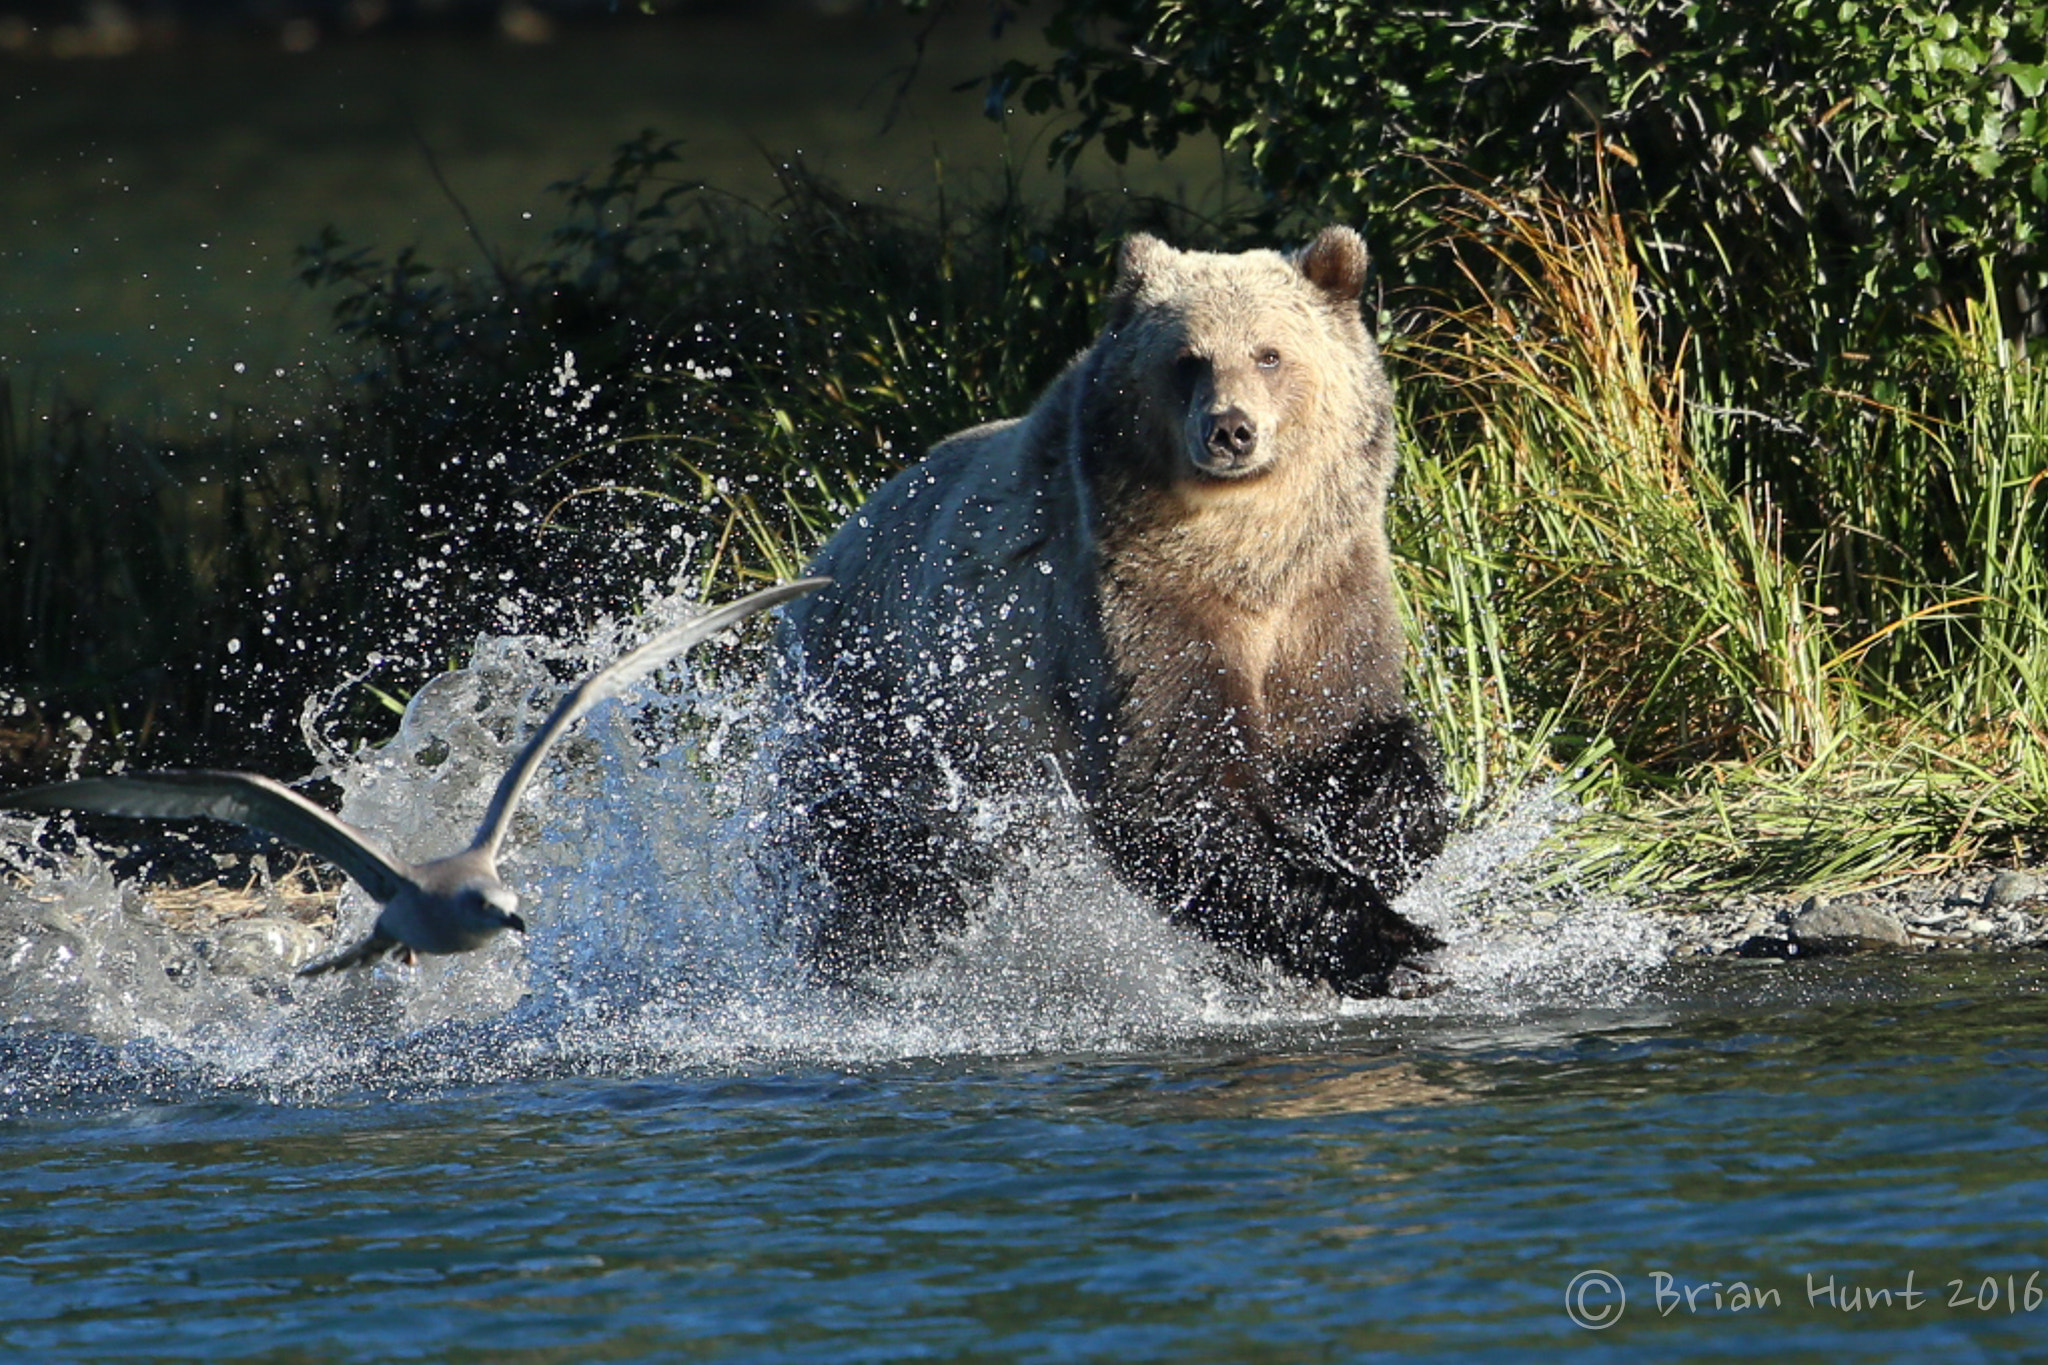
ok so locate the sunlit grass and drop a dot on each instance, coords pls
(1591, 596)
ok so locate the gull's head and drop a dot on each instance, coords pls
(475, 914)
(498, 908)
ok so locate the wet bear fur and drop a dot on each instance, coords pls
(1169, 587)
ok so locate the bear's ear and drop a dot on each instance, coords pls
(1140, 255)
(1335, 263)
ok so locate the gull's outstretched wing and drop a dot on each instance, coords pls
(241, 798)
(609, 682)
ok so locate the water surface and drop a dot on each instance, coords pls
(642, 1135)
(1343, 1189)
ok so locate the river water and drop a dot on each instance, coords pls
(640, 1135)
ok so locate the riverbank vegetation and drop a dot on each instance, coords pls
(1725, 439)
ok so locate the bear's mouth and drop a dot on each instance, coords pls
(1212, 467)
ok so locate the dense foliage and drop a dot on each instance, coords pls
(676, 348)
(1726, 485)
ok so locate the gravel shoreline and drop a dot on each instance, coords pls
(1980, 909)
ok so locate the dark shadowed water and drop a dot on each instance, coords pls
(639, 1136)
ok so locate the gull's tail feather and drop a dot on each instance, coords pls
(359, 954)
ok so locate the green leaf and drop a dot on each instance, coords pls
(2031, 79)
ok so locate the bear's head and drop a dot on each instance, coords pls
(1216, 370)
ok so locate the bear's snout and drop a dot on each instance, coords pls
(1230, 442)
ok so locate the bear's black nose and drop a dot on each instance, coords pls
(1231, 436)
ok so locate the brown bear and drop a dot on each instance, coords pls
(1169, 587)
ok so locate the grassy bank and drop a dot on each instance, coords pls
(1744, 696)
(1812, 674)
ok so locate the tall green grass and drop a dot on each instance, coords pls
(1738, 703)
(130, 564)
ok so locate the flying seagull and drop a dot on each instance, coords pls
(449, 905)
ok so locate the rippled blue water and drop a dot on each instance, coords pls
(637, 1135)
(1347, 1189)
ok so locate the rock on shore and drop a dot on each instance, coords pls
(1980, 909)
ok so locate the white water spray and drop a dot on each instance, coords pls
(656, 908)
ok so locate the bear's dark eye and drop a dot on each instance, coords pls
(1268, 358)
(1188, 367)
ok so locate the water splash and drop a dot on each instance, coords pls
(656, 909)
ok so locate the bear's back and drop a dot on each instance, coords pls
(961, 604)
